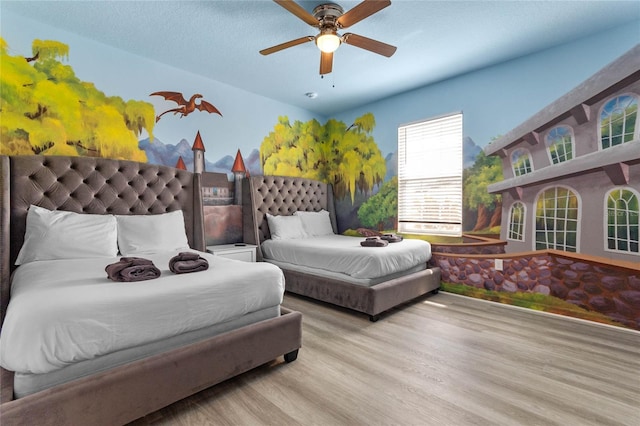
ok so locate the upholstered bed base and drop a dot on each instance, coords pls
(125, 393)
(279, 195)
(372, 300)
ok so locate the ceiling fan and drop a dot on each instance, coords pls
(329, 18)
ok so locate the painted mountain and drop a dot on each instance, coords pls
(168, 154)
(391, 161)
(469, 152)
(251, 162)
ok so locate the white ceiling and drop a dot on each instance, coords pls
(436, 40)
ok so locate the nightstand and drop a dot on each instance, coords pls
(238, 251)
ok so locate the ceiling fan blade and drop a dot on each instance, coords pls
(361, 11)
(371, 45)
(279, 47)
(326, 63)
(299, 11)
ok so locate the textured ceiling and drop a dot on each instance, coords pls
(436, 40)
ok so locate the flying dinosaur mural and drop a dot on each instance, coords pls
(185, 107)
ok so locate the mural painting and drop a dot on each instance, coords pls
(222, 219)
(345, 156)
(47, 109)
(571, 186)
(185, 107)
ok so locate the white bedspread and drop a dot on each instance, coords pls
(64, 311)
(339, 253)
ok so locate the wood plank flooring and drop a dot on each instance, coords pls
(443, 360)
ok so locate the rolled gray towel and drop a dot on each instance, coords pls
(392, 238)
(374, 242)
(130, 269)
(186, 262)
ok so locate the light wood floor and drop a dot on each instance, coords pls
(444, 360)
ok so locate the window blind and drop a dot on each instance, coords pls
(430, 176)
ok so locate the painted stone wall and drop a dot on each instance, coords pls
(611, 290)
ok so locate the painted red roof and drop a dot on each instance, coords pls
(180, 164)
(238, 164)
(197, 144)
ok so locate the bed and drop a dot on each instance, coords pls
(126, 379)
(266, 196)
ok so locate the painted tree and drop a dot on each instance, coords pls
(485, 171)
(347, 157)
(46, 109)
(381, 207)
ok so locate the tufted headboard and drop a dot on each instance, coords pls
(90, 185)
(281, 195)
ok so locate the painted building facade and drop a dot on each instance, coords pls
(572, 171)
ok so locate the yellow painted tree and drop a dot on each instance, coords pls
(347, 157)
(46, 109)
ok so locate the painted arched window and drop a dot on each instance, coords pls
(559, 142)
(557, 219)
(621, 220)
(521, 162)
(516, 222)
(618, 121)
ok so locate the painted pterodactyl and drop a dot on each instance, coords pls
(185, 107)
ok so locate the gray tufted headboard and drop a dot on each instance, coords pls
(281, 195)
(90, 185)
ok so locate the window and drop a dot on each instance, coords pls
(516, 222)
(560, 144)
(521, 162)
(557, 211)
(621, 221)
(430, 176)
(618, 120)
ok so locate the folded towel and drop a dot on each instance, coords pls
(374, 242)
(186, 262)
(392, 238)
(130, 269)
(368, 232)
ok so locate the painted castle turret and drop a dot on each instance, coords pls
(198, 154)
(239, 172)
(180, 164)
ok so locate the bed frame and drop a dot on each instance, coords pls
(125, 393)
(279, 195)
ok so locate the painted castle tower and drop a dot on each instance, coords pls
(239, 172)
(198, 154)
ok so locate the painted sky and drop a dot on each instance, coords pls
(493, 100)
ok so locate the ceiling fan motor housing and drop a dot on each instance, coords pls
(327, 14)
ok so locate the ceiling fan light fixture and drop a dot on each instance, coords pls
(328, 42)
(330, 18)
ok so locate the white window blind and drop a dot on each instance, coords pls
(430, 176)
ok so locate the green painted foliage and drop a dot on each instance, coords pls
(535, 301)
(346, 157)
(484, 172)
(47, 109)
(380, 207)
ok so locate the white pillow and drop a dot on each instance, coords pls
(151, 233)
(57, 234)
(285, 227)
(315, 223)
